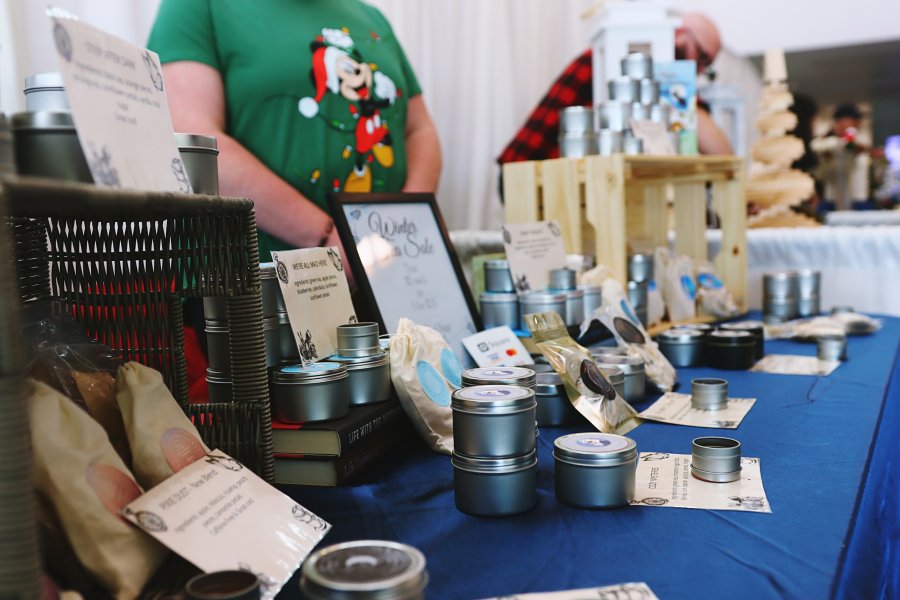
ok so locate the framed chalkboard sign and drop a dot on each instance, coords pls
(405, 264)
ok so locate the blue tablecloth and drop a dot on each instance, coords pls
(830, 476)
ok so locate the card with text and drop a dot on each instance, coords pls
(664, 479)
(621, 591)
(655, 138)
(219, 515)
(317, 298)
(497, 347)
(789, 364)
(676, 409)
(118, 101)
(533, 250)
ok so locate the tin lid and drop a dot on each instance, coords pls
(320, 372)
(628, 364)
(42, 119)
(496, 263)
(715, 447)
(678, 335)
(196, 141)
(499, 376)
(493, 398)
(725, 337)
(498, 297)
(480, 464)
(549, 384)
(595, 449)
(544, 297)
(267, 270)
(356, 363)
(374, 569)
(44, 80)
(357, 330)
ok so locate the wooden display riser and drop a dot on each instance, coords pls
(609, 206)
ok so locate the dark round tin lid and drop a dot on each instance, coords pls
(319, 372)
(679, 335)
(493, 398)
(725, 337)
(595, 449)
(372, 569)
(499, 376)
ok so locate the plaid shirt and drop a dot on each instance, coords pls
(538, 138)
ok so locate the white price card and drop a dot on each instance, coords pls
(218, 515)
(317, 298)
(621, 591)
(789, 364)
(654, 136)
(497, 347)
(664, 479)
(118, 101)
(533, 250)
(676, 409)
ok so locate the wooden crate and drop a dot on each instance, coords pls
(610, 205)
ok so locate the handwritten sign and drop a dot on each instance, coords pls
(219, 515)
(533, 250)
(317, 298)
(118, 101)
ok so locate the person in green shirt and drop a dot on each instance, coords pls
(305, 97)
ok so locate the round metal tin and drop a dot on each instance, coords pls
(369, 377)
(831, 347)
(553, 405)
(493, 420)
(499, 308)
(287, 345)
(365, 569)
(497, 277)
(219, 385)
(576, 119)
(637, 65)
(632, 145)
(614, 115)
(682, 347)
(594, 470)
(491, 487)
(632, 367)
(616, 377)
(270, 290)
(716, 459)
(574, 308)
(709, 393)
(578, 145)
(272, 333)
(46, 145)
(781, 284)
(637, 296)
(624, 89)
(518, 376)
(659, 113)
(593, 298)
(218, 346)
(317, 392)
(562, 279)
(358, 339)
(649, 92)
(538, 302)
(732, 350)
(223, 585)
(46, 92)
(756, 328)
(640, 267)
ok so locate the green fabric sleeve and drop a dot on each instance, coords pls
(183, 30)
(413, 87)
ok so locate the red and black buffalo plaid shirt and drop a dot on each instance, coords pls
(538, 138)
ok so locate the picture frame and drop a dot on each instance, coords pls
(404, 264)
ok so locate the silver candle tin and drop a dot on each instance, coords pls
(553, 405)
(578, 145)
(499, 308)
(272, 336)
(632, 367)
(779, 310)
(369, 377)
(831, 347)
(593, 298)
(574, 308)
(649, 91)
(365, 570)
(287, 343)
(218, 346)
(594, 470)
(519, 376)
(609, 142)
(661, 113)
(682, 347)
(624, 89)
(493, 420)
(733, 350)
(640, 112)
(637, 65)
(614, 115)
(46, 145)
(493, 487)
(200, 153)
(616, 377)
(781, 284)
(538, 302)
(562, 279)
(632, 145)
(358, 339)
(756, 328)
(270, 290)
(497, 277)
(316, 392)
(219, 385)
(576, 119)
(809, 285)
(716, 459)
(224, 585)
(46, 92)
(637, 296)
(709, 393)
(640, 267)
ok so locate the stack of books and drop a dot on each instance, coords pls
(332, 453)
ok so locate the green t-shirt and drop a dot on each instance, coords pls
(316, 89)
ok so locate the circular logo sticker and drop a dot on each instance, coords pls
(708, 280)
(593, 442)
(451, 367)
(498, 372)
(492, 393)
(433, 384)
(687, 284)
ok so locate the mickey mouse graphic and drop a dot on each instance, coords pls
(339, 68)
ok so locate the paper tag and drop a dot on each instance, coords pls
(317, 298)
(621, 591)
(219, 515)
(654, 136)
(789, 364)
(533, 250)
(497, 347)
(676, 409)
(664, 479)
(118, 102)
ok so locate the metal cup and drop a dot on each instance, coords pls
(709, 393)
(716, 459)
(831, 347)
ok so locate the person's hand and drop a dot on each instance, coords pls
(334, 239)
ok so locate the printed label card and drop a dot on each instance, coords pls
(497, 347)
(654, 136)
(664, 479)
(219, 515)
(621, 591)
(676, 409)
(317, 298)
(118, 102)
(533, 250)
(789, 364)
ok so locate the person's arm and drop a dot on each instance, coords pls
(197, 103)
(711, 139)
(423, 151)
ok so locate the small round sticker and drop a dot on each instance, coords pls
(708, 280)
(451, 367)
(433, 384)
(687, 284)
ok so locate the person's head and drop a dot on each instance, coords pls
(846, 116)
(697, 39)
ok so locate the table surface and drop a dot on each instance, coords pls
(812, 435)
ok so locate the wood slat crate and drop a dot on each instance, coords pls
(610, 205)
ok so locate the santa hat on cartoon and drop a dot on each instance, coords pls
(325, 77)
